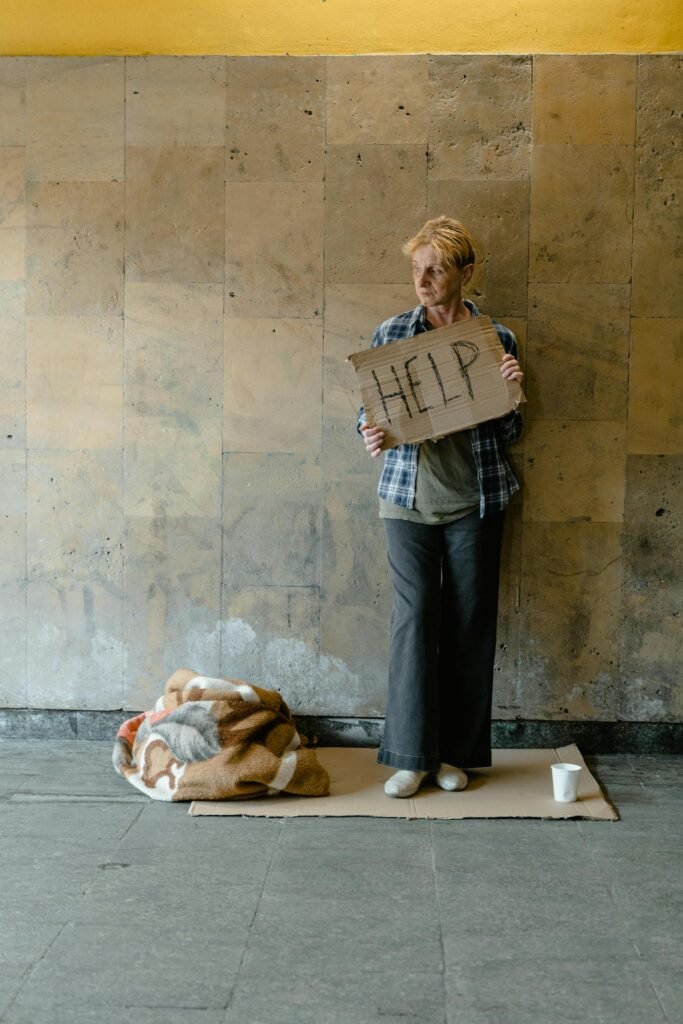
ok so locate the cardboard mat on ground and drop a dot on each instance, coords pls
(436, 383)
(518, 785)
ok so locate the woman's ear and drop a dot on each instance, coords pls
(467, 273)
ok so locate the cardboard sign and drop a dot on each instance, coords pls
(436, 383)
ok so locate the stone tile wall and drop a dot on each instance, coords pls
(189, 249)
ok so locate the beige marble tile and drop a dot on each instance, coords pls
(480, 116)
(12, 254)
(274, 249)
(74, 385)
(12, 384)
(650, 638)
(275, 118)
(271, 520)
(13, 299)
(352, 312)
(74, 118)
(12, 482)
(269, 636)
(174, 214)
(75, 562)
(172, 612)
(173, 465)
(343, 454)
(273, 386)
(12, 101)
(658, 248)
(584, 99)
(74, 647)
(374, 201)
(571, 580)
(75, 249)
(174, 351)
(659, 141)
(75, 515)
(377, 99)
(355, 598)
(653, 556)
(586, 234)
(12, 365)
(12, 187)
(574, 471)
(650, 657)
(497, 214)
(655, 419)
(578, 351)
(175, 101)
(13, 611)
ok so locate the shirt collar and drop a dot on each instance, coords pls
(420, 314)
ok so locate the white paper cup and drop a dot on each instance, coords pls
(565, 782)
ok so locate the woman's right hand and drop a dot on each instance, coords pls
(373, 438)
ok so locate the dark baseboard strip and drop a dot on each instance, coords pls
(590, 737)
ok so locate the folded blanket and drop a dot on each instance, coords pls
(216, 739)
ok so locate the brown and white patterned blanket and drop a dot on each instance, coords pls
(216, 739)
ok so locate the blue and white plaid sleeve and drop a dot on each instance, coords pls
(511, 425)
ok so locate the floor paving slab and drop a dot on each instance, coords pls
(42, 880)
(652, 913)
(11, 979)
(102, 821)
(506, 920)
(177, 848)
(170, 821)
(11, 782)
(643, 812)
(352, 862)
(657, 771)
(76, 1013)
(306, 831)
(341, 874)
(344, 937)
(666, 977)
(160, 965)
(620, 859)
(134, 895)
(23, 939)
(46, 751)
(301, 996)
(75, 785)
(527, 850)
(561, 991)
(351, 921)
(18, 848)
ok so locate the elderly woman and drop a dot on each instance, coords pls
(442, 504)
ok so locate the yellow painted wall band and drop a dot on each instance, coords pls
(300, 27)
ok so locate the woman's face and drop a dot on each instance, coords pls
(435, 284)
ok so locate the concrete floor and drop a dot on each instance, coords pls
(114, 908)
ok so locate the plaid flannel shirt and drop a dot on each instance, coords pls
(497, 483)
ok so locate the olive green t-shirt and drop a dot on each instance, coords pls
(446, 488)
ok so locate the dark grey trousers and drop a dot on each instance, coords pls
(443, 642)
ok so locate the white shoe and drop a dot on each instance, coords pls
(404, 783)
(451, 778)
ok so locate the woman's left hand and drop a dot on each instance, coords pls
(511, 369)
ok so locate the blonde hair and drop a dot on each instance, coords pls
(451, 241)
